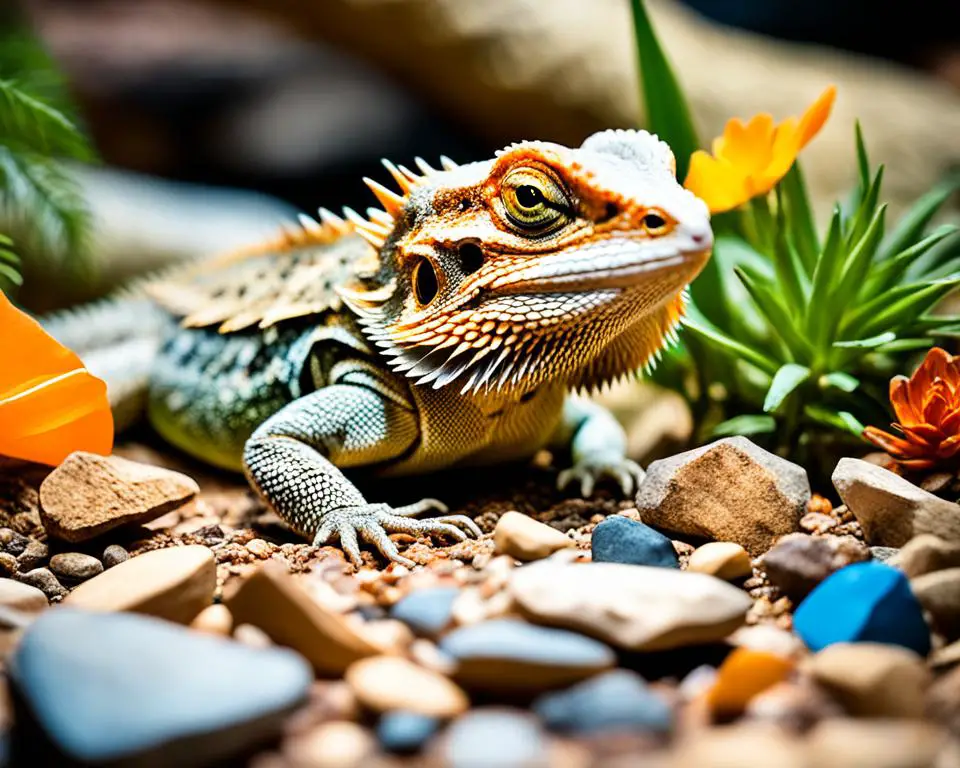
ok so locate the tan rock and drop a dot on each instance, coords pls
(334, 744)
(21, 597)
(524, 538)
(872, 680)
(891, 510)
(630, 606)
(847, 743)
(945, 657)
(927, 553)
(742, 745)
(273, 601)
(390, 635)
(939, 593)
(385, 683)
(770, 638)
(214, 620)
(943, 700)
(729, 490)
(723, 559)
(88, 495)
(174, 584)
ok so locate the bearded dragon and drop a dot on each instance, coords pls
(448, 327)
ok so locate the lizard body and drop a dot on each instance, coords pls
(446, 329)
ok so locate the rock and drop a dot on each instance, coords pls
(113, 555)
(388, 683)
(927, 553)
(939, 594)
(872, 680)
(796, 706)
(524, 538)
(273, 601)
(884, 554)
(427, 611)
(334, 744)
(506, 655)
(389, 635)
(729, 490)
(744, 674)
(406, 732)
(943, 700)
(44, 580)
(864, 602)
(88, 495)
(8, 564)
(501, 737)
(75, 566)
(798, 562)
(119, 688)
(848, 743)
(891, 510)
(630, 606)
(741, 745)
(173, 584)
(12, 543)
(252, 636)
(769, 638)
(723, 559)
(618, 700)
(33, 556)
(21, 597)
(214, 620)
(619, 539)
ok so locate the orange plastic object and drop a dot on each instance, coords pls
(744, 674)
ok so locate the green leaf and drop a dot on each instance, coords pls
(731, 347)
(941, 260)
(746, 425)
(786, 380)
(820, 312)
(863, 162)
(803, 227)
(842, 420)
(858, 262)
(866, 212)
(893, 269)
(912, 224)
(873, 341)
(27, 124)
(840, 380)
(908, 308)
(905, 345)
(666, 106)
(767, 301)
(790, 270)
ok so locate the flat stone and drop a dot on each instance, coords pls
(939, 594)
(619, 539)
(729, 490)
(864, 602)
(389, 683)
(88, 495)
(848, 743)
(174, 584)
(927, 553)
(132, 690)
(798, 562)
(631, 606)
(507, 655)
(494, 737)
(891, 510)
(872, 680)
(618, 700)
(427, 611)
(723, 559)
(406, 732)
(75, 566)
(745, 673)
(214, 620)
(526, 539)
(21, 597)
(273, 601)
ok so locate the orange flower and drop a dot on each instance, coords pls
(749, 160)
(50, 405)
(928, 412)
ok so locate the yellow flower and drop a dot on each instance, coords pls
(749, 160)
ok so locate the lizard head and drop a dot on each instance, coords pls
(545, 262)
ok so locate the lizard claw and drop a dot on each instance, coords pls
(627, 474)
(371, 522)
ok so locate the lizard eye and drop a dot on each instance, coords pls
(425, 285)
(654, 224)
(533, 200)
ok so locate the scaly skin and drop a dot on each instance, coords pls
(447, 329)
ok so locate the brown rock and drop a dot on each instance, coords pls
(8, 564)
(335, 744)
(939, 594)
(273, 601)
(11, 542)
(21, 597)
(113, 555)
(846, 743)
(729, 490)
(943, 700)
(33, 556)
(891, 510)
(770, 638)
(945, 657)
(75, 566)
(872, 680)
(927, 553)
(44, 580)
(88, 495)
(797, 563)
(794, 705)
(741, 745)
(723, 559)
(524, 538)
(385, 683)
(173, 584)
(214, 620)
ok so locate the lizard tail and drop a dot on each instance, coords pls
(118, 339)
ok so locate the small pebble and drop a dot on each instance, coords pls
(527, 539)
(426, 611)
(11, 542)
(406, 732)
(389, 635)
(744, 674)
(75, 566)
(798, 562)
(21, 597)
(113, 555)
(335, 744)
(925, 554)
(33, 556)
(723, 559)
(795, 706)
(884, 554)
(621, 540)
(251, 636)
(8, 564)
(386, 683)
(259, 548)
(494, 737)
(44, 580)
(214, 620)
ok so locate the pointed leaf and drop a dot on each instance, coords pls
(873, 341)
(820, 313)
(866, 212)
(858, 262)
(911, 226)
(747, 424)
(803, 227)
(863, 162)
(790, 270)
(840, 380)
(777, 315)
(893, 269)
(910, 307)
(786, 380)
(731, 347)
(842, 420)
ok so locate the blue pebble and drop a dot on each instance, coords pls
(505, 738)
(615, 701)
(865, 602)
(405, 732)
(426, 611)
(619, 539)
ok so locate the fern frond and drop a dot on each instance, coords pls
(27, 124)
(9, 266)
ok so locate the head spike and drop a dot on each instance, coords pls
(374, 234)
(447, 164)
(412, 177)
(425, 168)
(391, 201)
(330, 219)
(402, 181)
(380, 217)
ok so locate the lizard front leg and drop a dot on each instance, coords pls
(292, 458)
(598, 445)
